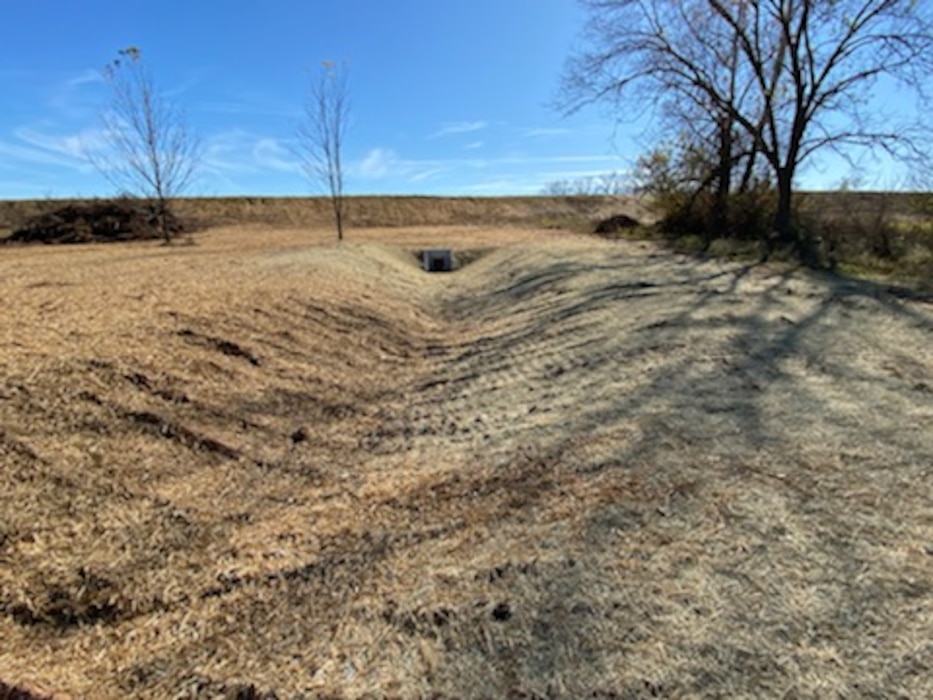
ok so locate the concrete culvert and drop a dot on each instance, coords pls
(437, 260)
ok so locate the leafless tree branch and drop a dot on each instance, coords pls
(321, 134)
(150, 151)
(795, 77)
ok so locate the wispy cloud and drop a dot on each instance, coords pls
(15, 155)
(223, 150)
(511, 184)
(74, 146)
(451, 128)
(473, 146)
(378, 163)
(544, 132)
(269, 153)
(33, 147)
(77, 96)
(85, 77)
(517, 173)
(48, 132)
(384, 163)
(237, 151)
(427, 174)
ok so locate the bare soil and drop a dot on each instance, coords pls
(267, 464)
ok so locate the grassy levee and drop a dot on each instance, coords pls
(368, 211)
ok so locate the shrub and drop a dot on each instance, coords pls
(880, 238)
(680, 180)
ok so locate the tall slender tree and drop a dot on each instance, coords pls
(321, 134)
(149, 149)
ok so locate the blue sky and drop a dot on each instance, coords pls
(449, 96)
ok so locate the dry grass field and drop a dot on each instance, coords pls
(267, 464)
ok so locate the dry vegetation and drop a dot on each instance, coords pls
(371, 211)
(573, 468)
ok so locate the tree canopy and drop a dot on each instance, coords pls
(778, 79)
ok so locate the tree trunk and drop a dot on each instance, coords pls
(783, 221)
(163, 222)
(720, 212)
(338, 216)
(158, 210)
(749, 173)
(805, 247)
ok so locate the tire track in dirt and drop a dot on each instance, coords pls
(533, 345)
(715, 387)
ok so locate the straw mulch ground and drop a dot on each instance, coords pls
(267, 466)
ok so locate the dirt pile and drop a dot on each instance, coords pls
(615, 224)
(95, 222)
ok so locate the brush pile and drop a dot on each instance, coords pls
(615, 224)
(99, 221)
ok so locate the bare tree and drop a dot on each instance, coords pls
(150, 152)
(608, 184)
(700, 148)
(321, 134)
(794, 77)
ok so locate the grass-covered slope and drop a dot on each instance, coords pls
(573, 468)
